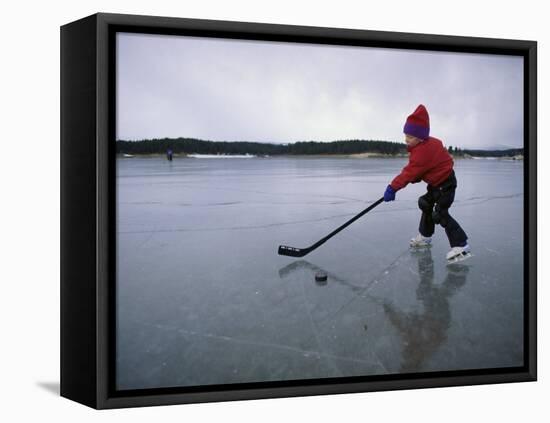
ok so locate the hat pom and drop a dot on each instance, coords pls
(418, 123)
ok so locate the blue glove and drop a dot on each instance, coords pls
(389, 194)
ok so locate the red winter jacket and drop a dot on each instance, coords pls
(428, 161)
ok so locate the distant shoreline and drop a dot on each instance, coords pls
(259, 156)
(304, 156)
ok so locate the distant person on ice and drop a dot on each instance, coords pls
(169, 154)
(430, 162)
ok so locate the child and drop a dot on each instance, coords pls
(430, 162)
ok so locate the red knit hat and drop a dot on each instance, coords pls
(418, 124)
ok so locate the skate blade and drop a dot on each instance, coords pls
(459, 258)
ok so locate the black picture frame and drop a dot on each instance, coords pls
(88, 209)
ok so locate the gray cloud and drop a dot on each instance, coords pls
(218, 89)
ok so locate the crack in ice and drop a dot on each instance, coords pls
(264, 344)
(458, 204)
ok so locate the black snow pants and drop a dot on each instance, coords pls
(435, 206)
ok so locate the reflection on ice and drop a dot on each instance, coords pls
(423, 331)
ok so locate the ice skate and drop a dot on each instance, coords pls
(458, 254)
(420, 241)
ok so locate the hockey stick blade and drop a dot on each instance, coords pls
(285, 250)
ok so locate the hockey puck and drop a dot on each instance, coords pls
(321, 277)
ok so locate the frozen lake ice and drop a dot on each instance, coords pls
(203, 298)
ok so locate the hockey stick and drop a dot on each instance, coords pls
(285, 250)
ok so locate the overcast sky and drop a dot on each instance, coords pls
(232, 90)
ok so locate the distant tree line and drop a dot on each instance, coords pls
(346, 147)
(197, 146)
(462, 152)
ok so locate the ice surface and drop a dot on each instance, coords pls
(203, 297)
